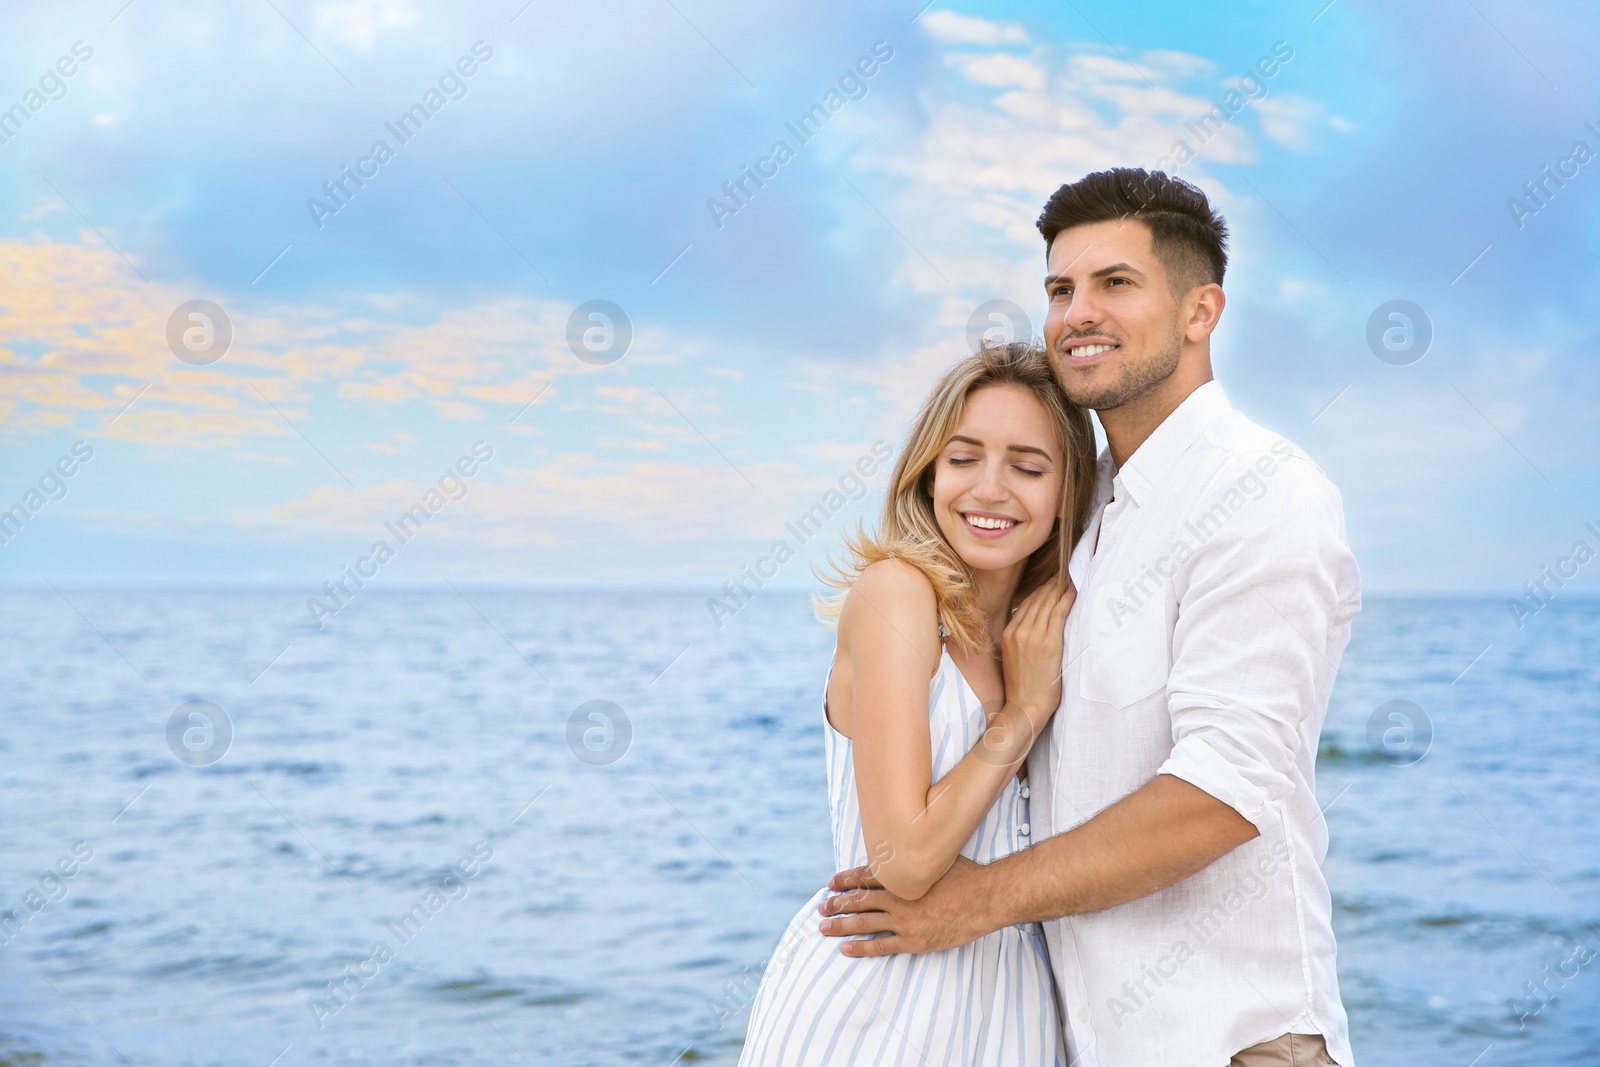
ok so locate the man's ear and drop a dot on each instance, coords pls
(1202, 310)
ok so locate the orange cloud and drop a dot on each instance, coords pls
(86, 336)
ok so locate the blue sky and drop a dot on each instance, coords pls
(769, 352)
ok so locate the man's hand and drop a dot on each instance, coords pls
(951, 913)
(1156, 836)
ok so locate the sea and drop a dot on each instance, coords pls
(489, 826)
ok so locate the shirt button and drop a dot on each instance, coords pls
(1023, 792)
(1023, 829)
(1083, 1015)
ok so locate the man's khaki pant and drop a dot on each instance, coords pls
(1290, 1050)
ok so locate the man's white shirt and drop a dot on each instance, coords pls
(1215, 595)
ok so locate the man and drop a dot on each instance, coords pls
(1185, 910)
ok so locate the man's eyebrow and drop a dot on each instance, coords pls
(1009, 448)
(1115, 268)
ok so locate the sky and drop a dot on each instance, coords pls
(753, 354)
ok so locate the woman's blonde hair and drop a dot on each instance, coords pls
(910, 531)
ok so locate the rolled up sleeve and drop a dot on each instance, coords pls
(1263, 615)
(1203, 767)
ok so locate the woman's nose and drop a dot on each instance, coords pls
(992, 484)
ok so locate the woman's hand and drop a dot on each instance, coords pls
(1031, 650)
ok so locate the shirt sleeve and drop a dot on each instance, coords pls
(1263, 618)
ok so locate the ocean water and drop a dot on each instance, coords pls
(411, 837)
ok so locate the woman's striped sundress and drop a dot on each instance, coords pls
(991, 1002)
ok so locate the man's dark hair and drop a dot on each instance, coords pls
(1189, 237)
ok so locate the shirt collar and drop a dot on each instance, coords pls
(1145, 470)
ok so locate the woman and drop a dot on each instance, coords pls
(947, 667)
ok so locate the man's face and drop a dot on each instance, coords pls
(1112, 325)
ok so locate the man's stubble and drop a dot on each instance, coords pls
(1134, 382)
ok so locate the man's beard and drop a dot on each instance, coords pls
(1135, 381)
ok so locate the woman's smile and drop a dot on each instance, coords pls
(988, 524)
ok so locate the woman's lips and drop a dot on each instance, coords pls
(985, 532)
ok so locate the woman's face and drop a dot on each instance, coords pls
(997, 484)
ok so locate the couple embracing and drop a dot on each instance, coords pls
(1072, 718)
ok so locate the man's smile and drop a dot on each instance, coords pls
(1082, 353)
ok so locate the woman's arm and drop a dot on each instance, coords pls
(915, 828)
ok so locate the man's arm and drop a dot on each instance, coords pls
(1156, 836)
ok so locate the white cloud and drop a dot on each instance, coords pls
(1289, 119)
(1388, 442)
(967, 195)
(998, 68)
(1295, 290)
(1175, 64)
(951, 28)
(625, 513)
(356, 22)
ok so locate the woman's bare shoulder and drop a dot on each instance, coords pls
(894, 596)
